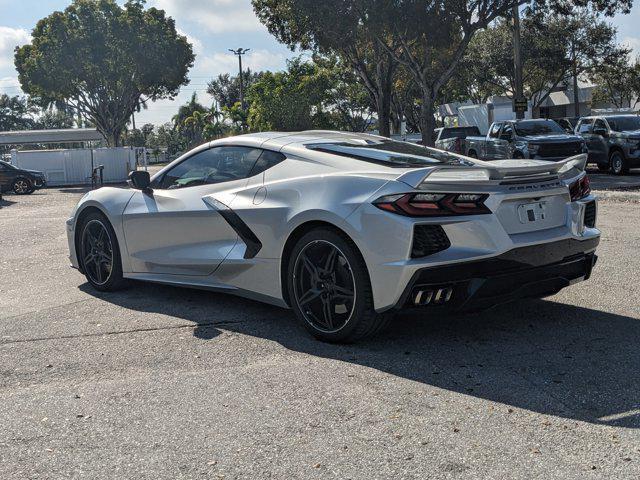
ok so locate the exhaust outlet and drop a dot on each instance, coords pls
(437, 296)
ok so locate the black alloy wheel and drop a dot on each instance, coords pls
(97, 252)
(329, 288)
(324, 286)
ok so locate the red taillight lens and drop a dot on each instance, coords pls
(434, 204)
(580, 188)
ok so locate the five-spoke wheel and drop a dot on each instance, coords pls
(324, 286)
(98, 252)
(329, 288)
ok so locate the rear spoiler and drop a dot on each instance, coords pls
(495, 170)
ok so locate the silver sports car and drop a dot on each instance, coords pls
(343, 228)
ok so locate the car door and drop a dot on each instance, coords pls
(492, 143)
(599, 144)
(584, 129)
(504, 145)
(177, 228)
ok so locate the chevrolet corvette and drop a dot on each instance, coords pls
(343, 228)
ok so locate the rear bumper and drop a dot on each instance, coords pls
(525, 272)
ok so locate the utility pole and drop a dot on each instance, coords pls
(576, 98)
(519, 102)
(239, 52)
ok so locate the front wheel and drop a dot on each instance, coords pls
(98, 252)
(329, 288)
(22, 186)
(618, 163)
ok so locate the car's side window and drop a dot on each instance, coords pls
(215, 165)
(267, 160)
(585, 125)
(600, 125)
(495, 130)
(507, 132)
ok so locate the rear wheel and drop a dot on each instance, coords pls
(22, 186)
(618, 163)
(99, 255)
(329, 288)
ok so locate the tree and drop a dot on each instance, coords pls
(617, 83)
(225, 89)
(16, 113)
(434, 36)
(554, 48)
(54, 118)
(290, 100)
(105, 60)
(343, 28)
(186, 110)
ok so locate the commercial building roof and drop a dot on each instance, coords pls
(67, 135)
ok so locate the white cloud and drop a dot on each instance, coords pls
(217, 16)
(10, 86)
(10, 38)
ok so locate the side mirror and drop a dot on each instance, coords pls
(140, 180)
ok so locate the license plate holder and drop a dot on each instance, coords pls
(532, 212)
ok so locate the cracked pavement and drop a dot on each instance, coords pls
(160, 382)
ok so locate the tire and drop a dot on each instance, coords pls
(619, 165)
(22, 186)
(352, 320)
(103, 275)
(472, 154)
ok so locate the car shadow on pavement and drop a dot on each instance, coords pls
(5, 202)
(543, 356)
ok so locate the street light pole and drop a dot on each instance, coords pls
(517, 63)
(239, 52)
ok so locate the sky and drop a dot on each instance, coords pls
(212, 26)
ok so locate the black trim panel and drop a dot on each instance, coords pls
(244, 232)
(532, 271)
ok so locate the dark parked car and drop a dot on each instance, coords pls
(20, 181)
(536, 139)
(613, 141)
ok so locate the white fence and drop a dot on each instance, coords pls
(74, 166)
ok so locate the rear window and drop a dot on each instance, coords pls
(390, 153)
(537, 127)
(459, 132)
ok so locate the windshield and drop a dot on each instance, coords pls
(622, 124)
(537, 127)
(390, 153)
(459, 132)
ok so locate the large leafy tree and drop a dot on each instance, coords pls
(289, 100)
(617, 83)
(105, 60)
(225, 88)
(554, 48)
(16, 113)
(341, 27)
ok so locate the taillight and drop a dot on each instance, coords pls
(433, 204)
(580, 188)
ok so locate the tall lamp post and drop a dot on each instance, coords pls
(519, 101)
(239, 52)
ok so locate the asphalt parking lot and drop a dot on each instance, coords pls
(160, 382)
